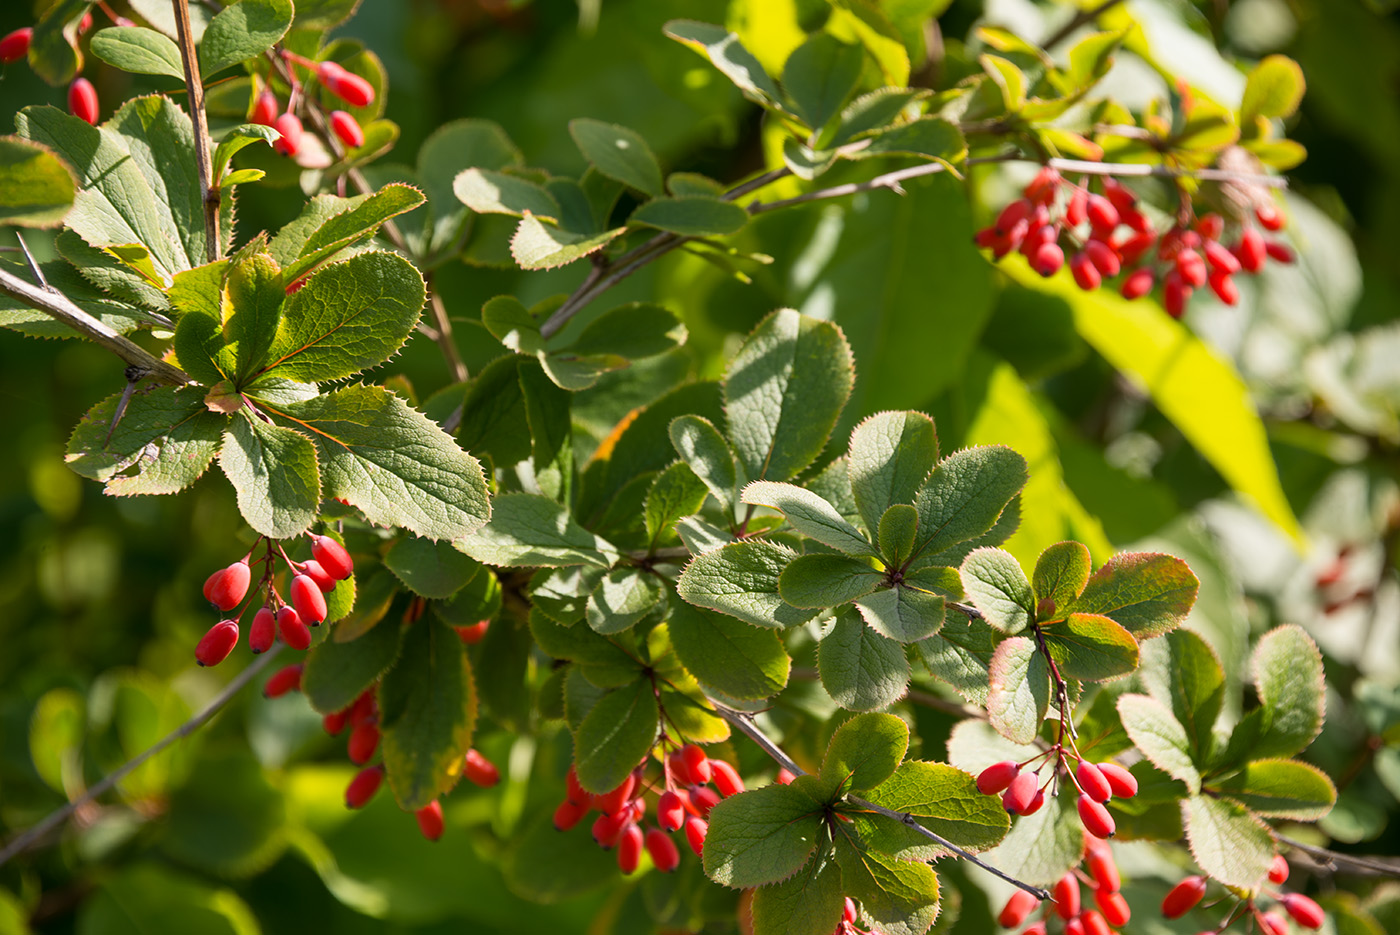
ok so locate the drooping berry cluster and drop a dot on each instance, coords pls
(82, 96)
(305, 605)
(1106, 235)
(1305, 911)
(1023, 793)
(1099, 874)
(335, 78)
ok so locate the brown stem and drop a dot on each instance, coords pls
(208, 194)
(1328, 858)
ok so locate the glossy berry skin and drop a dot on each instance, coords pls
(347, 129)
(263, 632)
(569, 814)
(1074, 927)
(1183, 897)
(350, 88)
(1175, 293)
(265, 109)
(695, 831)
(1097, 821)
(1102, 868)
(1224, 288)
(1094, 923)
(1251, 250)
(703, 798)
(475, 633)
(997, 777)
(1269, 217)
(289, 125)
(308, 600)
(1103, 216)
(479, 770)
(227, 587)
(15, 45)
(1036, 803)
(1278, 870)
(612, 802)
(217, 643)
(607, 829)
(284, 680)
(1047, 259)
(848, 911)
(1272, 923)
(1086, 274)
(1220, 258)
(82, 100)
(629, 849)
(1019, 795)
(670, 811)
(1065, 892)
(430, 820)
(1105, 260)
(332, 556)
(1093, 782)
(696, 763)
(785, 777)
(313, 570)
(664, 853)
(1114, 907)
(575, 792)
(364, 740)
(363, 787)
(726, 778)
(1017, 909)
(294, 633)
(1304, 911)
(1121, 782)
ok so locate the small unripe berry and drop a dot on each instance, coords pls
(284, 680)
(629, 849)
(82, 100)
(1114, 907)
(670, 811)
(430, 820)
(479, 770)
(15, 45)
(217, 643)
(1048, 259)
(364, 740)
(294, 632)
(1278, 870)
(363, 787)
(289, 125)
(1017, 909)
(1094, 923)
(308, 600)
(697, 763)
(475, 633)
(349, 87)
(1097, 821)
(726, 778)
(997, 777)
(1123, 783)
(227, 587)
(695, 831)
(569, 814)
(347, 129)
(1018, 796)
(1183, 897)
(263, 632)
(332, 556)
(1304, 911)
(313, 570)
(1065, 892)
(1092, 781)
(663, 851)
(265, 108)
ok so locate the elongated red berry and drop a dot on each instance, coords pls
(726, 778)
(85, 23)
(1036, 803)
(1304, 911)
(611, 803)
(1077, 210)
(995, 778)
(308, 600)
(1272, 923)
(1094, 923)
(1017, 211)
(575, 792)
(1114, 907)
(284, 680)
(1047, 259)
(1183, 897)
(364, 740)
(1278, 870)
(362, 708)
(227, 587)
(1220, 258)
(1018, 795)
(1251, 250)
(349, 87)
(1103, 217)
(1042, 188)
(697, 762)
(1224, 287)
(1134, 247)
(1175, 293)
(1123, 783)
(1138, 284)
(1097, 821)
(785, 777)
(695, 831)
(265, 108)
(363, 787)
(608, 828)
(1119, 195)
(1037, 928)
(670, 811)
(263, 632)
(1102, 867)
(294, 632)
(1192, 268)
(1092, 781)
(479, 770)
(289, 125)
(1104, 258)
(82, 100)
(848, 911)
(1210, 226)
(663, 851)
(430, 820)
(704, 798)
(475, 633)
(15, 45)
(334, 722)
(1065, 892)
(1269, 217)
(569, 814)
(1017, 909)
(1278, 252)
(347, 129)
(313, 570)
(332, 556)
(217, 643)
(1086, 274)
(629, 849)
(1074, 927)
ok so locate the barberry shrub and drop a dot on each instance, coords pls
(768, 598)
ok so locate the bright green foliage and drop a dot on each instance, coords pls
(36, 188)
(430, 569)
(242, 30)
(615, 735)
(865, 751)
(338, 669)
(528, 529)
(138, 50)
(1018, 693)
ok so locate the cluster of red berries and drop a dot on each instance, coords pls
(1108, 236)
(82, 96)
(1022, 792)
(312, 580)
(349, 87)
(1187, 894)
(1100, 875)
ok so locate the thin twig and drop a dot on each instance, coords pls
(743, 722)
(1136, 170)
(57, 305)
(1082, 18)
(208, 194)
(57, 818)
(1329, 858)
(34, 269)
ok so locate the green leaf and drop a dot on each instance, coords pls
(899, 896)
(512, 324)
(784, 391)
(702, 447)
(488, 192)
(898, 527)
(618, 153)
(548, 410)
(56, 731)
(117, 314)
(562, 593)
(946, 801)
(727, 53)
(965, 496)
(1091, 648)
(998, 587)
(1182, 671)
(1145, 592)
(227, 818)
(536, 245)
(575, 372)
(1010, 79)
(430, 569)
(741, 580)
(533, 530)
(240, 31)
(623, 597)
(615, 736)
(235, 140)
(804, 162)
(961, 655)
(138, 50)
(819, 76)
(1229, 843)
(336, 671)
(823, 579)
(579, 644)
(53, 52)
(544, 866)
(1018, 694)
(427, 710)
(872, 111)
(634, 330)
(810, 515)
(1042, 848)
(811, 900)
(860, 669)
(36, 188)
(928, 137)
(891, 455)
(865, 751)
(149, 897)
(452, 148)
(1274, 88)
(329, 225)
(255, 293)
(390, 462)
(1288, 674)
(1060, 575)
(742, 661)
(762, 836)
(1281, 789)
(273, 469)
(676, 493)
(1160, 737)
(902, 613)
(164, 442)
(691, 216)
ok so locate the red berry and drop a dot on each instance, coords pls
(332, 556)
(1036, 929)
(1192, 268)
(82, 100)
(85, 23)
(263, 631)
(1304, 911)
(313, 570)
(726, 778)
(1103, 217)
(430, 820)
(364, 740)
(15, 46)
(226, 588)
(1012, 215)
(334, 722)
(784, 777)
(704, 798)
(1102, 868)
(1175, 292)
(608, 828)
(475, 633)
(1048, 259)
(697, 763)
(217, 643)
(1065, 893)
(1210, 226)
(1183, 897)
(1136, 220)
(1138, 284)
(569, 814)
(1097, 821)
(1135, 246)
(308, 600)
(1278, 870)
(347, 129)
(1272, 923)
(362, 708)
(480, 770)
(1220, 258)
(1095, 924)
(363, 787)
(349, 87)
(1018, 795)
(670, 811)
(997, 777)
(629, 849)
(1114, 907)
(1123, 783)
(695, 831)
(265, 108)
(1092, 781)
(576, 793)
(285, 679)
(987, 238)
(1251, 250)
(1041, 189)
(1224, 287)
(1119, 195)
(663, 851)
(1036, 803)
(848, 911)
(289, 125)
(1104, 257)
(1017, 909)
(1037, 236)
(1269, 217)
(1278, 252)
(1077, 210)
(612, 803)
(1074, 927)
(294, 632)
(1086, 274)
